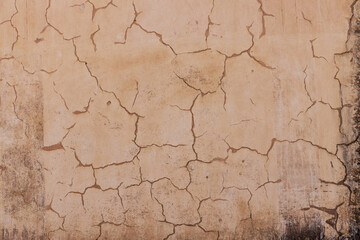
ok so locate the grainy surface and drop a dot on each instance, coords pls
(179, 119)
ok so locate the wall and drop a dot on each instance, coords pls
(168, 119)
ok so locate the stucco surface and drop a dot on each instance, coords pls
(179, 119)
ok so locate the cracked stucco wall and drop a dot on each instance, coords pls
(179, 119)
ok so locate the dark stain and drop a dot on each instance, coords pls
(5, 234)
(15, 234)
(312, 230)
(37, 40)
(21, 179)
(352, 158)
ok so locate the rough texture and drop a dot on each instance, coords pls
(179, 119)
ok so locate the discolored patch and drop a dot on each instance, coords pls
(21, 180)
(351, 152)
(311, 230)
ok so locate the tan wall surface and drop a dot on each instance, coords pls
(179, 119)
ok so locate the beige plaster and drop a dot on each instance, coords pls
(179, 119)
